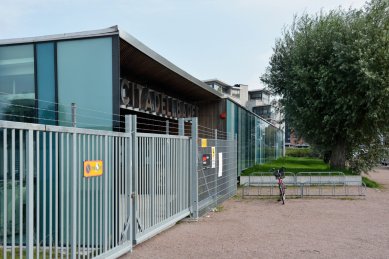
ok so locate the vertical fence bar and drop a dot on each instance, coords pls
(30, 197)
(101, 197)
(37, 194)
(216, 169)
(56, 229)
(5, 201)
(93, 214)
(62, 213)
(79, 180)
(13, 193)
(21, 196)
(50, 232)
(68, 168)
(74, 196)
(168, 178)
(194, 173)
(87, 222)
(44, 178)
(112, 182)
(84, 207)
(119, 186)
(106, 235)
(129, 127)
(152, 187)
(134, 175)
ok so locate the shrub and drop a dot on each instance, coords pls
(301, 152)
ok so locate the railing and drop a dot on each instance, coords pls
(303, 184)
(48, 208)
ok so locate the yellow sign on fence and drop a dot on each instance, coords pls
(93, 168)
(203, 142)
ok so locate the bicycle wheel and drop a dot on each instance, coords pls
(282, 193)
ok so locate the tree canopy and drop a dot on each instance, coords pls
(332, 71)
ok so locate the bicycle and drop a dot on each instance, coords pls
(280, 174)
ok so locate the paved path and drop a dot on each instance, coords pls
(303, 228)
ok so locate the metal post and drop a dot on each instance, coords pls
(167, 127)
(194, 173)
(130, 127)
(74, 195)
(30, 195)
(181, 127)
(74, 108)
(134, 176)
(216, 171)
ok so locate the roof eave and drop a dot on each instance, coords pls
(152, 54)
(64, 36)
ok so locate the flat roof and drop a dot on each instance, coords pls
(215, 80)
(260, 90)
(158, 69)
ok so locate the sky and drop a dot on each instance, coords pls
(230, 40)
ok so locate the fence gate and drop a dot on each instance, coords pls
(162, 172)
(49, 207)
(217, 178)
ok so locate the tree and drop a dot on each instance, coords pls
(332, 71)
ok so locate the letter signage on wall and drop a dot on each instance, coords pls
(138, 97)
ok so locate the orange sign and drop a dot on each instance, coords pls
(93, 168)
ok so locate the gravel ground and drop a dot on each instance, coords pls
(303, 228)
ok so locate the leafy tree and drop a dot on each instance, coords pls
(332, 71)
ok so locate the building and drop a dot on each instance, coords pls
(261, 103)
(70, 95)
(237, 92)
(107, 74)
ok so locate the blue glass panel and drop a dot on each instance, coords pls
(46, 83)
(17, 87)
(85, 78)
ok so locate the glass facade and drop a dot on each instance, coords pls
(85, 78)
(258, 141)
(46, 83)
(17, 83)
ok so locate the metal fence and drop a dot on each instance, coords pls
(217, 181)
(162, 182)
(49, 209)
(304, 184)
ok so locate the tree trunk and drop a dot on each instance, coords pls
(338, 156)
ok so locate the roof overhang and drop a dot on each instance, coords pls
(65, 36)
(142, 62)
(145, 63)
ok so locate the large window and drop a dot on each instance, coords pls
(256, 95)
(85, 78)
(17, 88)
(46, 83)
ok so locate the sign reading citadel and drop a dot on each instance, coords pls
(139, 97)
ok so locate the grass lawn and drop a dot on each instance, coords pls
(294, 165)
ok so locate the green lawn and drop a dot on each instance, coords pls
(294, 165)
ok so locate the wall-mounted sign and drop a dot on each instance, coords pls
(213, 157)
(220, 173)
(206, 161)
(138, 97)
(93, 168)
(203, 142)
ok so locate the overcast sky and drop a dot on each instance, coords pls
(230, 40)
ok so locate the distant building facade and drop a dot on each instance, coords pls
(237, 92)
